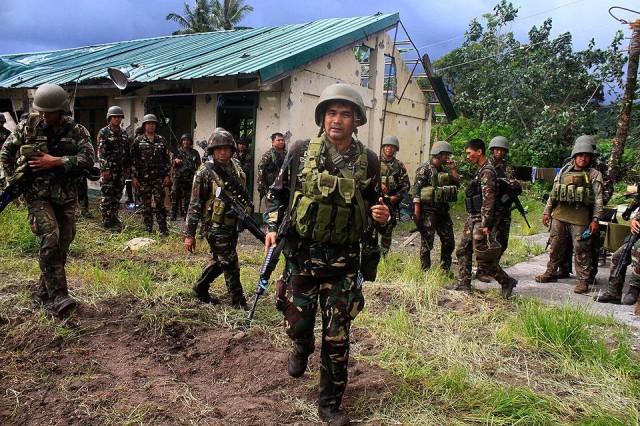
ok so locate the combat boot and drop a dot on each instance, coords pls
(240, 303)
(507, 289)
(460, 286)
(333, 416)
(607, 297)
(581, 288)
(632, 296)
(63, 305)
(174, 216)
(563, 274)
(164, 232)
(546, 278)
(637, 309)
(203, 295)
(298, 360)
(86, 213)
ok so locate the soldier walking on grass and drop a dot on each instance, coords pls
(435, 186)
(113, 154)
(573, 211)
(219, 220)
(479, 233)
(185, 164)
(330, 188)
(150, 168)
(45, 154)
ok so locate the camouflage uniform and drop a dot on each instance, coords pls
(393, 175)
(113, 154)
(607, 193)
(4, 134)
(268, 169)
(503, 212)
(51, 196)
(183, 178)
(151, 163)
(246, 162)
(564, 229)
(435, 218)
(322, 274)
(220, 223)
(616, 284)
(484, 184)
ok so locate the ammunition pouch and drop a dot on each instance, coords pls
(573, 188)
(439, 194)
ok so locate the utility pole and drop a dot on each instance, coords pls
(624, 118)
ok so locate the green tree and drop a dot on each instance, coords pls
(544, 90)
(210, 15)
(228, 13)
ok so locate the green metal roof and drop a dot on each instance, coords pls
(264, 52)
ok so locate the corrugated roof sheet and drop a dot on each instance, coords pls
(265, 52)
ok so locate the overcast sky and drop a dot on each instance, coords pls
(435, 26)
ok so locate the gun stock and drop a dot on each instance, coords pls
(625, 258)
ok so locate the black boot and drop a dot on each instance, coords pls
(334, 416)
(507, 289)
(607, 297)
(203, 295)
(298, 360)
(632, 296)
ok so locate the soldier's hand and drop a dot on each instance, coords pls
(135, 183)
(105, 176)
(167, 181)
(270, 240)
(178, 162)
(486, 231)
(594, 227)
(635, 226)
(380, 212)
(190, 244)
(43, 161)
(546, 219)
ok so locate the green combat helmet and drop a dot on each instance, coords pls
(441, 147)
(391, 140)
(115, 111)
(50, 98)
(221, 137)
(341, 92)
(186, 136)
(583, 145)
(499, 142)
(149, 118)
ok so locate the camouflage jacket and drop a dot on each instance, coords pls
(595, 177)
(246, 162)
(394, 178)
(424, 177)
(607, 183)
(506, 171)
(268, 169)
(113, 149)
(486, 178)
(150, 159)
(190, 164)
(320, 258)
(72, 143)
(203, 191)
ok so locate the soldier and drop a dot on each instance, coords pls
(113, 153)
(244, 156)
(151, 164)
(221, 172)
(185, 164)
(330, 188)
(4, 134)
(575, 204)
(478, 235)
(394, 183)
(607, 193)
(270, 164)
(55, 149)
(435, 186)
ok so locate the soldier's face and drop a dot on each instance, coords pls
(150, 127)
(389, 151)
(583, 160)
(339, 121)
(474, 155)
(278, 142)
(499, 153)
(242, 148)
(222, 154)
(51, 118)
(116, 120)
(186, 143)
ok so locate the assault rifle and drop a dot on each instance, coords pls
(243, 216)
(625, 257)
(509, 196)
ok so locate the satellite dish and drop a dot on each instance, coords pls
(120, 77)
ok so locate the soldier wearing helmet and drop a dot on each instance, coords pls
(331, 196)
(54, 149)
(270, 163)
(219, 221)
(435, 186)
(113, 154)
(499, 148)
(575, 204)
(479, 233)
(186, 161)
(150, 169)
(244, 155)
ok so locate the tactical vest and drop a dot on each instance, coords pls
(442, 189)
(473, 196)
(574, 197)
(386, 178)
(215, 206)
(326, 209)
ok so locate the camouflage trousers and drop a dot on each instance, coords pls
(436, 221)
(55, 226)
(153, 189)
(83, 193)
(473, 238)
(617, 284)
(111, 193)
(224, 259)
(340, 299)
(502, 229)
(561, 232)
(180, 196)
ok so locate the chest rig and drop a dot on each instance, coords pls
(441, 190)
(233, 185)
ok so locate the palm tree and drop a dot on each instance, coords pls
(228, 13)
(196, 20)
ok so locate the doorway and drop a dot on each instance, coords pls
(91, 112)
(175, 116)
